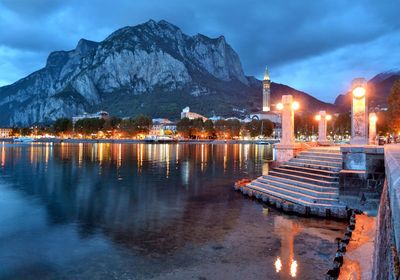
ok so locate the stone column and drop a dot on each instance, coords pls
(287, 120)
(359, 122)
(372, 128)
(322, 127)
(287, 148)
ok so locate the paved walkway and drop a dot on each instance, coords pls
(357, 263)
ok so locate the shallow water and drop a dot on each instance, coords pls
(149, 211)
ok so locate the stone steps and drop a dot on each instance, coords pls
(310, 179)
(320, 157)
(301, 199)
(306, 178)
(309, 174)
(308, 170)
(321, 154)
(312, 190)
(316, 161)
(314, 166)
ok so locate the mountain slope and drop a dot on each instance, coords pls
(152, 68)
(378, 91)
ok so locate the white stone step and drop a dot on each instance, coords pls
(321, 158)
(299, 200)
(307, 173)
(320, 154)
(314, 164)
(316, 161)
(306, 179)
(309, 189)
(331, 173)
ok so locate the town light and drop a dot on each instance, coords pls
(279, 106)
(328, 117)
(295, 105)
(373, 118)
(359, 92)
(318, 117)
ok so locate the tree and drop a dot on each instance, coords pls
(89, 125)
(382, 125)
(394, 107)
(138, 125)
(112, 123)
(184, 127)
(267, 128)
(254, 128)
(342, 124)
(62, 125)
(209, 128)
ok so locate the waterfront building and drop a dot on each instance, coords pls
(99, 115)
(160, 126)
(191, 115)
(5, 132)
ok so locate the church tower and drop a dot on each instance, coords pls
(266, 91)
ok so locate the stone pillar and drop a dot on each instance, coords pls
(359, 121)
(287, 120)
(372, 128)
(287, 148)
(322, 127)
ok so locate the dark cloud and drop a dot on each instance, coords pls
(298, 36)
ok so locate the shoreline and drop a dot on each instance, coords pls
(137, 141)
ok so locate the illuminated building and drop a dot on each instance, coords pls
(160, 126)
(99, 115)
(5, 132)
(191, 115)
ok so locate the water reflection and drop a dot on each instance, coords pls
(159, 207)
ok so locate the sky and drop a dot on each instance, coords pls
(316, 46)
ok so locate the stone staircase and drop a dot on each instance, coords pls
(311, 180)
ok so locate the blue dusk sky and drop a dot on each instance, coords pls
(314, 46)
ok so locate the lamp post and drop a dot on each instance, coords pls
(359, 119)
(287, 148)
(322, 119)
(372, 128)
(287, 108)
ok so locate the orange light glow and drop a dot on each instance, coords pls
(318, 117)
(328, 117)
(359, 92)
(278, 265)
(373, 118)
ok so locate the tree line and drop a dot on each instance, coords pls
(230, 128)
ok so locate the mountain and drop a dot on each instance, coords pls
(378, 91)
(152, 68)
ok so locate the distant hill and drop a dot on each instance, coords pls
(152, 68)
(378, 88)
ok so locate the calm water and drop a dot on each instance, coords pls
(140, 211)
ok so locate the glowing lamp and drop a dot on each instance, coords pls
(295, 105)
(373, 118)
(359, 92)
(328, 117)
(318, 117)
(279, 106)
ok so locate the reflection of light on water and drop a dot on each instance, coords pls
(278, 264)
(80, 154)
(202, 157)
(3, 155)
(293, 268)
(167, 147)
(225, 157)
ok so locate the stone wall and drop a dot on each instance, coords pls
(387, 242)
(361, 180)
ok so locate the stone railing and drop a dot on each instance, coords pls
(387, 241)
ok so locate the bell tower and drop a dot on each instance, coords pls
(266, 91)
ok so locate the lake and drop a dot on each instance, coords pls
(149, 211)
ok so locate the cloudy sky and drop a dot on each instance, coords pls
(314, 46)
